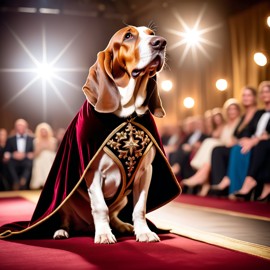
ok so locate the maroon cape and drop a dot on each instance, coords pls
(84, 138)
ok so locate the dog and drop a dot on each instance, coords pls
(117, 83)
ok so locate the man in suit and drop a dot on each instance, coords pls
(18, 156)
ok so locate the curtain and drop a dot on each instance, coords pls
(249, 33)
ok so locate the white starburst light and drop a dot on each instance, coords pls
(44, 72)
(192, 37)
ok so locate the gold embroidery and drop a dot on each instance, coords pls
(129, 144)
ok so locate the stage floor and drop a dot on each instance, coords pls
(236, 230)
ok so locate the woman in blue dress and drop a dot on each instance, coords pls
(258, 147)
(226, 159)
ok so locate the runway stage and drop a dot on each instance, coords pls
(206, 233)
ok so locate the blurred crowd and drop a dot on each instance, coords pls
(26, 156)
(225, 152)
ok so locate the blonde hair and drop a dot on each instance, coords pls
(229, 102)
(216, 111)
(208, 113)
(43, 126)
(264, 84)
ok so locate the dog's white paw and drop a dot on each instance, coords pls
(61, 234)
(147, 237)
(105, 238)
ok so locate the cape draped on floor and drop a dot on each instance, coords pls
(85, 137)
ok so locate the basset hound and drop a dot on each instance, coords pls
(122, 82)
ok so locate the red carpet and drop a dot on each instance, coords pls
(251, 208)
(173, 252)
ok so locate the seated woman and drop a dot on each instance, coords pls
(220, 156)
(257, 180)
(44, 153)
(259, 145)
(202, 159)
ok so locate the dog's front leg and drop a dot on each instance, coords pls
(140, 193)
(100, 211)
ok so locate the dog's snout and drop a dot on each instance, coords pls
(158, 43)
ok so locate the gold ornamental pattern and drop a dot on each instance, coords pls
(129, 145)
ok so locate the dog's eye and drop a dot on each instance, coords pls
(128, 36)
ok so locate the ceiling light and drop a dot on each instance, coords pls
(189, 102)
(221, 84)
(260, 59)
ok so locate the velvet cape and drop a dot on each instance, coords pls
(86, 135)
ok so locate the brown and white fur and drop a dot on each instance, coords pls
(118, 83)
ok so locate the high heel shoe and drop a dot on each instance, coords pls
(246, 196)
(264, 199)
(219, 192)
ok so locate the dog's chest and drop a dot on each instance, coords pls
(127, 147)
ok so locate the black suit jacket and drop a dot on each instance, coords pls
(251, 129)
(11, 144)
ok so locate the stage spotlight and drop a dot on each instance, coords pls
(189, 102)
(221, 84)
(47, 74)
(45, 71)
(192, 37)
(260, 59)
(268, 21)
(166, 85)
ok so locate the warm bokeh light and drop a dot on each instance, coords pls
(166, 85)
(268, 21)
(221, 84)
(189, 102)
(260, 59)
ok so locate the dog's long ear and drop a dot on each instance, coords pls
(99, 88)
(154, 101)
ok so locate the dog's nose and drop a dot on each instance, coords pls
(158, 43)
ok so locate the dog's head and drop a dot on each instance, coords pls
(122, 80)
